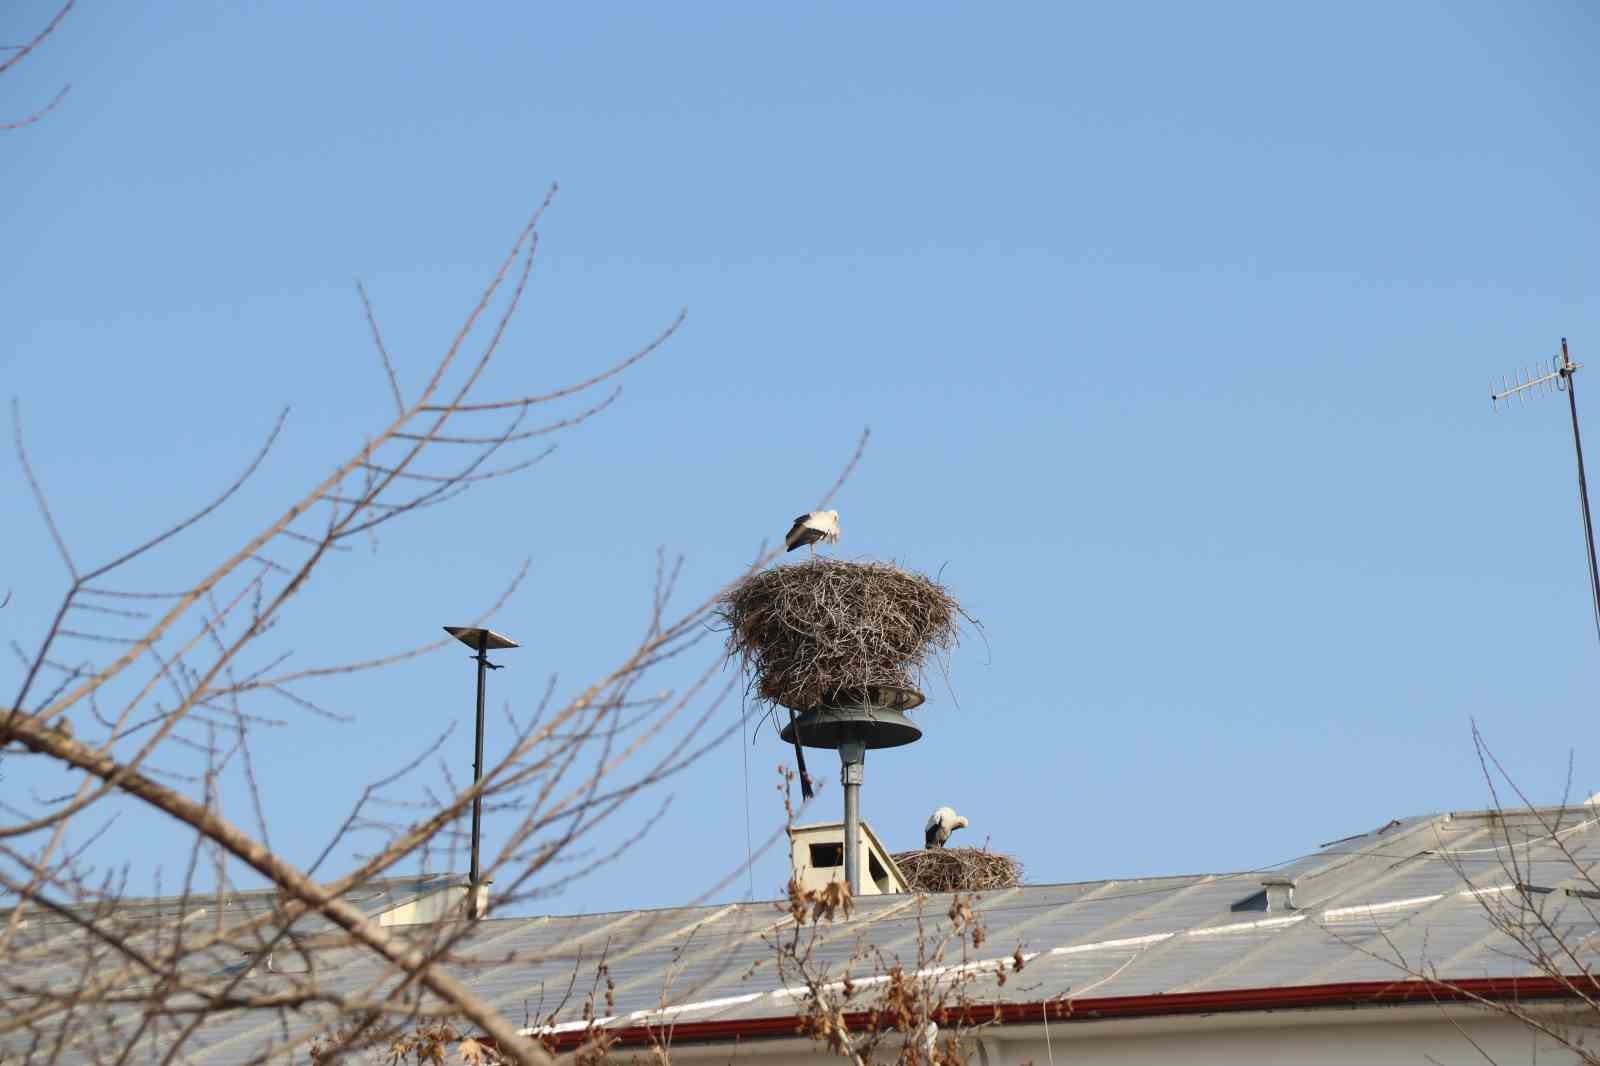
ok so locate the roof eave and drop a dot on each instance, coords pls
(1487, 991)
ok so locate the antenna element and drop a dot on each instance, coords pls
(1558, 374)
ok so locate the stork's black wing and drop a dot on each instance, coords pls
(799, 534)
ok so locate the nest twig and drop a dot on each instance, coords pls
(958, 870)
(810, 631)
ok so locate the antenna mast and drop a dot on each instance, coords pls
(1558, 374)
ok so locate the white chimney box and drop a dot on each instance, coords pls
(817, 857)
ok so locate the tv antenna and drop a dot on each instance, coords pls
(1556, 375)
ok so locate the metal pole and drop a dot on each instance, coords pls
(477, 774)
(1583, 486)
(852, 769)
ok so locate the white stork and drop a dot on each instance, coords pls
(941, 823)
(810, 528)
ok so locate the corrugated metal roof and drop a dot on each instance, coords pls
(1416, 888)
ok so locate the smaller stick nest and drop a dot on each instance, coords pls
(958, 870)
(813, 630)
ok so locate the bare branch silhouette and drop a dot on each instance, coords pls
(1535, 894)
(21, 52)
(148, 701)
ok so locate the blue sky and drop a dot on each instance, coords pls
(1173, 325)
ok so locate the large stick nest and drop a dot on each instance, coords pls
(958, 870)
(810, 631)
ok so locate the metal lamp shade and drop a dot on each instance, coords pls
(874, 719)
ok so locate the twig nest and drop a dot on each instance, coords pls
(809, 631)
(958, 870)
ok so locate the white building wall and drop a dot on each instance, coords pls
(1411, 1044)
(1404, 1036)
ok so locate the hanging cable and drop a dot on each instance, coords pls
(744, 748)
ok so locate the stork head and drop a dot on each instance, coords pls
(958, 822)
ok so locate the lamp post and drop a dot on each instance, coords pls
(480, 641)
(853, 723)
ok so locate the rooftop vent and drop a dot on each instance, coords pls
(1280, 893)
(817, 857)
(1277, 894)
(444, 900)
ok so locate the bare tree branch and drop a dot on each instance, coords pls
(159, 711)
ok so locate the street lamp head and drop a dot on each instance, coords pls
(481, 639)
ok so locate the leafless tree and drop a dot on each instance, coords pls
(19, 52)
(152, 698)
(876, 1006)
(1538, 902)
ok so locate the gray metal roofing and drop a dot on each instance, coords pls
(371, 897)
(1416, 888)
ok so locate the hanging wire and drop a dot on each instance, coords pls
(749, 847)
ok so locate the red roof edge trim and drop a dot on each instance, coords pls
(1300, 997)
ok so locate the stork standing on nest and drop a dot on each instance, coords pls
(941, 823)
(810, 528)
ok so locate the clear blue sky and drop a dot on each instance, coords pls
(1173, 324)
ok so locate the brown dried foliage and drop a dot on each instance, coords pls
(808, 632)
(958, 870)
(912, 1012)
